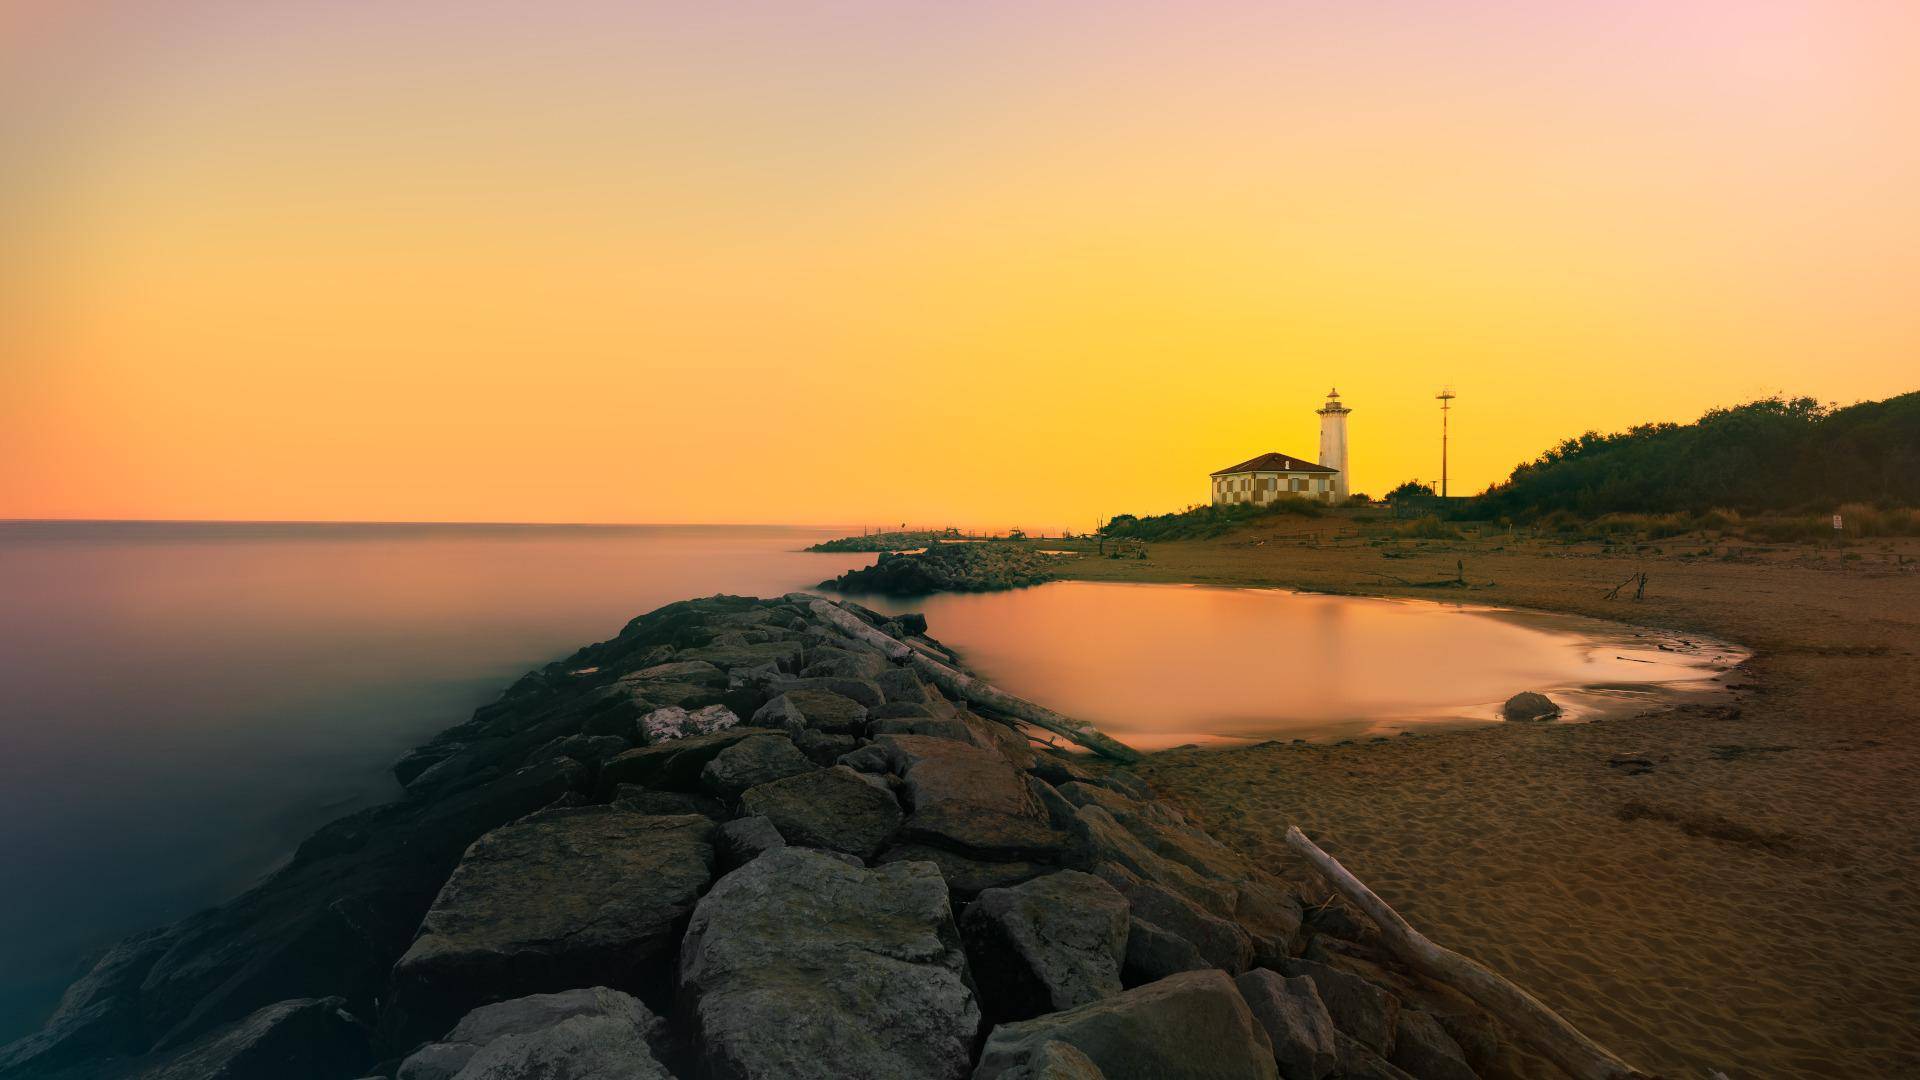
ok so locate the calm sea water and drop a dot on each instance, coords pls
(1163, 665)
(181, 703)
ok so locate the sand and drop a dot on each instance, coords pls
(1746, 900)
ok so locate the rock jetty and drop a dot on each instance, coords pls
(962, 567)
(737, 843)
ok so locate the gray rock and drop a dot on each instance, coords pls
(967, 877)
(1054, 1060)
(674, 722)
(902, 686)
(800, 966)
(786, 654)
(825, 710)
(589, 749)
(1220, 940)
(900, 711)
(752, 762)
(1100, 838)
(1358, 1061)
(1191, 1026)
(1528, 705)
(674, 765)
(782, 713)
(864, 692)
(742, 840)
(1051, 943)
(1295, 1020)
(834, 662)
(832, 808)
(698, 672)
(867, 759)
(940, 727)
(642, 800)
(1154, 953)
(1422, 1047)
(577, 1048)
(1126, 783)
(525, 1016)
(566, 898)
(1358, 1007)
(822, 748)
(1270, 913)
(970, 799)
(301, 1039)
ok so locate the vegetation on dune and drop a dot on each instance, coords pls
(1204, 522)
(1777, 455)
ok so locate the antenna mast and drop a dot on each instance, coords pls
(1445, 397)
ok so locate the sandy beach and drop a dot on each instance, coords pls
(1715, 885)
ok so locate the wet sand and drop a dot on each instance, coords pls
(1729, 885)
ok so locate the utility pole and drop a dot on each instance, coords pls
(1445, 398)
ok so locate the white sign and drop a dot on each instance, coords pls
(1836, 523)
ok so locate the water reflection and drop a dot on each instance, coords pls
(1163, 665)
(180, 703)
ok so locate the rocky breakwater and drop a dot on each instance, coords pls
(957, 567)
(739, 842)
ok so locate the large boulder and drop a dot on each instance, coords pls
(967, 877)
(819, 709)
(675, 764)
(1154, 953)
(752, 762)
(1221, 940)
(1191, 1026)
(1054, 1060)
(1295, 1020)
(1422, 1047)
(567, 898)
(970, 799)
(832, 808)
(742, 840)
(1048, 944)
(302, 1039)
(798, 965)
(1529, 705)
(528, 1016)
(1361, 1009)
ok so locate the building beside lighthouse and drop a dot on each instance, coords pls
(1274, 475)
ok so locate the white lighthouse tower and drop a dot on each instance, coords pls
(1333, 442)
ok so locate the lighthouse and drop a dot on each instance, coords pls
(1333, 442)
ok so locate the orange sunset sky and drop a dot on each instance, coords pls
(986, 263)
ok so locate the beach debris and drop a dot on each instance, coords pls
(1631, 764)
(1529, 705)
(1528, 1016)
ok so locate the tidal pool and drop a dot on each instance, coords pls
(1165, 665)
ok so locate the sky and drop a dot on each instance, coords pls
(988, 264)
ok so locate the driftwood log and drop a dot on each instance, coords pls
(1527, 1015)
(970, 689)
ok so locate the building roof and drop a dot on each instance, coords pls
(1276, 462)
